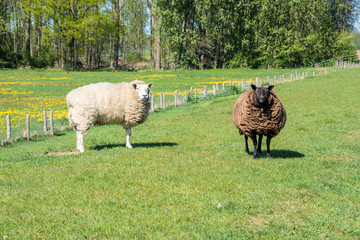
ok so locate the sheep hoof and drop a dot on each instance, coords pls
(81, 150)
(129, 146)
(268, 155)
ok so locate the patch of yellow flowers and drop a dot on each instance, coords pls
(18, 97)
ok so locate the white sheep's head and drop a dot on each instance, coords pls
(143, 90)
(262, 94)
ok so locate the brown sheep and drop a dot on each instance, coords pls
(259, 111)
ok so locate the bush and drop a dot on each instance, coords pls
(45, 59)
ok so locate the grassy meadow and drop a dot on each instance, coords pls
(188, 176)
(32, 92)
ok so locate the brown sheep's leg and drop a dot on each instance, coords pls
(259, 144)
(255, 143)
(246, 144)
(268, 139)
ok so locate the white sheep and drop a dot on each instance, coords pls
(104, 103)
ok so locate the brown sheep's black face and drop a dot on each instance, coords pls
(262, 94)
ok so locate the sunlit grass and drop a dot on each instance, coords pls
(32, 92)
(188, 176)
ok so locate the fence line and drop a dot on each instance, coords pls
(27, 133)
(233, 88)
(194, 97)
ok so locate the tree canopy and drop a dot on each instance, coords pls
(183, 33)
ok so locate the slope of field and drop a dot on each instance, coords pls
(189, 178)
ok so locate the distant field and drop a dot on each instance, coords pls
(188, 176)
(32, 92)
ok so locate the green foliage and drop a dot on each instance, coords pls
(235, 90)
(355, 39)
(255, 33)
(45, 59)
(192, 99)
(190, 34)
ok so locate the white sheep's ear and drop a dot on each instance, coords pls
(134, 85)
(150, 85)
(270, 88)
(253, 87)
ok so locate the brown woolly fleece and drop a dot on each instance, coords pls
(251, 120)
(106, 103)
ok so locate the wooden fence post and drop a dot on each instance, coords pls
(161, 100)
(28, 127)
(258, 82)
(223, 87)
(176, 98)
(268, 80)
(51, 122)
(217, 86)
(164, 103)
(275, 80)
(191, 90)
(292, 77)
(152, 103)
(214, 89)
(45, 121)
(243, 84)
(205, 93)
(8, 127)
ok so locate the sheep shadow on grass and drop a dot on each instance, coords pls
(281, 154)
(135, 145)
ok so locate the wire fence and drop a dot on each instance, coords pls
(207, 92)
(163, 101)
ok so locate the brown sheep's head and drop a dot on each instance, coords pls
(262, 95)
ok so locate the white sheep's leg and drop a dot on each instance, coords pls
(128, 134)
(80, 141)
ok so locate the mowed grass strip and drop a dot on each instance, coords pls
(188, 176)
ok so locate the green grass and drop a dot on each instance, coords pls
(188, 176)
(34, 91)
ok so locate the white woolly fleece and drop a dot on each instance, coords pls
(106, 103)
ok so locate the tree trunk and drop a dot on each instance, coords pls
(27, 24)
(72, 51)
(149, 5)
(117, 34)
(38, 36)
(155, 48)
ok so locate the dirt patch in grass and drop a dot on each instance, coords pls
(71, 152)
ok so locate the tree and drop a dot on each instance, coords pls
(155, 27)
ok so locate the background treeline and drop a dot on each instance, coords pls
(179, 33)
